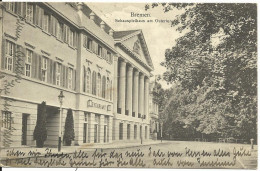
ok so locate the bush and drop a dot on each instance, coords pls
(69, 134)
(40, 131)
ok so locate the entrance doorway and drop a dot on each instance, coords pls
(24, 128)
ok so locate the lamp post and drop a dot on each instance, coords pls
(61, 97)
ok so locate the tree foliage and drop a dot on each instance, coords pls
(214, 68)
(40, 131)
(69, 134)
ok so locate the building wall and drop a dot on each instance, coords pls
(72, 55)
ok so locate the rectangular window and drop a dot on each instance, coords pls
(71, 38)
(44, 69)
(109, 57)
(28, 63)
(59, 30)
(46, 22)
(99, 50)
(89, 44)
(58, 72)
(70, 78)
(11, 6)
(9, 55)
(29, 12)
(7, 119)
(120, 131)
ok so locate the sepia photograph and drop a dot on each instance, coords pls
(165, 85)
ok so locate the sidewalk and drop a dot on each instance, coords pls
(22, 152)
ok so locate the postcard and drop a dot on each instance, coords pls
(128, 85)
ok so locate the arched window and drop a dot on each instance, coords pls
(99, 85)
(94, 83)
(104, 87)
(108, 89)
(88, 80)
(84, 79)
(111, 88)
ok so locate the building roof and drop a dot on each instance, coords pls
(121, 34)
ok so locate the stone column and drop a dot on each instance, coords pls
(115, 88)
(122, 81)
(135, 92)
(141, 95)
(110, 128)
(146, 98)
(129, 89)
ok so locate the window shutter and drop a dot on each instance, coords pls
(37, 13)
(3, 53)
(23, 58)
(49, 71)
(66, 76)
(63, 75)
(15, 58)
(19, 8)
(64, 33)
(39, 69)
(34, 65)
(85, 41)
(54, 72)
(23, 9)
(75, 42)
(51, 27)
(41, 17)
(74, 79)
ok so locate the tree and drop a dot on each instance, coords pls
(214, 64)
(40, 131)
(69, 134)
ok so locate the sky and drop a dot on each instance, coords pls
(158, 36)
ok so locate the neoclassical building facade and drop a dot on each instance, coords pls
(104, 75)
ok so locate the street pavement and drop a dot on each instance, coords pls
(150, 154)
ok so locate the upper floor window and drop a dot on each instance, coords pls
(9, 55)
(58, 73)
(88, 80)
(28, 63)
(71, 38)
(44, 69)
(70, 78)
(108, 89)
(29, 12)
(11, 6)
(94, 80)
(59, 30)
(99, 50)
(89, 44)
(99, 85)
(46, 22)
(104, 87)
(109, 56)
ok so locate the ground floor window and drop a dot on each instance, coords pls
(145, 132)
(141, 132)
(24, 128)
(128, 131)
(97, 129)
(106, 129)
(135, 131)
(7, 119)
(85, 127)
(121, 131)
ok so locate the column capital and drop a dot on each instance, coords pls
(130, 67)
(141, 75)
(123, 62)
(136, 73)
(116, 57)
